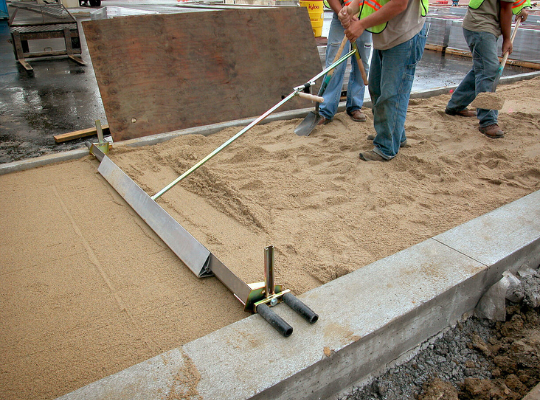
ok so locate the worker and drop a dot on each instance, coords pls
(356, 87)
(399, 37)
(483, 23)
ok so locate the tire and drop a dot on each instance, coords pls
(95, 3)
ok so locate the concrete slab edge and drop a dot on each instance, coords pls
(533, 394)
(368, 320)
(17, 166)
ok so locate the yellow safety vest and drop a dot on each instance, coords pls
(517, 6)
(368, 7)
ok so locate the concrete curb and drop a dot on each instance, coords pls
(368, 319)
(209, 129)
(533, 394)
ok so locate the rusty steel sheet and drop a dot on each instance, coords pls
(165, 72)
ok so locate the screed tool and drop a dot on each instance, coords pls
(256, 297)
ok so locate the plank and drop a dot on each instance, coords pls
(163, 72)
(64, 137)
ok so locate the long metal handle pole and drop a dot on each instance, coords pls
(216, 151)
(247, 128)
(332, 66)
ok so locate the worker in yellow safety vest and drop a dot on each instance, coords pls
(356, 86)
(517, 6)
(399, 36)
(368, 7)
(483, 23)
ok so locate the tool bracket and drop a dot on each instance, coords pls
(271, 295)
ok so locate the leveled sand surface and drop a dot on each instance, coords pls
(87, 289)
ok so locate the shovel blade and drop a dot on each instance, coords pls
(488, 101)
(308, 124)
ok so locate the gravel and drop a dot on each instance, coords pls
(476, 359)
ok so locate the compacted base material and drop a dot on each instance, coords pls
(90, 290)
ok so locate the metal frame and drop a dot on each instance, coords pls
(50, 21)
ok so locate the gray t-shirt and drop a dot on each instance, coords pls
(401, 28)
(485, 18)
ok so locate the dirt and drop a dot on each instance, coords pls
(488, 101)
(477, 359)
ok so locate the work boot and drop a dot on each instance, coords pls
(402, 144)
(492, 131)
(323, 120)
(357, 116)
(462, 113)
(371, 156)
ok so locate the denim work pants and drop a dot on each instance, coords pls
(390, 84)
(480, 78)
(356, 86)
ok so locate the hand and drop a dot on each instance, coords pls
(355, 29)
(344, 17)
(523, 15)
(507, 47)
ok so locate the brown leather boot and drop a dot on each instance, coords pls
(357, 116)
(463, 113)
(492, 131)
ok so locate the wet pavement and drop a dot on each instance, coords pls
(60, 96)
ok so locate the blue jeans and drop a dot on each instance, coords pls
(390, 84)
(480, 78)
(356, 86)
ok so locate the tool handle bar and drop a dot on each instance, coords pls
(360, 63)
(275, 320)
(312, 97)
(505, 58)
(306, 312)
(328, 76)
(255, 122)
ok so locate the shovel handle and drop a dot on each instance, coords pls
(340, 50)
(328, 76)
(312, 97)
(360, 63)
(505, 57)
(338, 54)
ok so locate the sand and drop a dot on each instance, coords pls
(489, 101)
(87, 289)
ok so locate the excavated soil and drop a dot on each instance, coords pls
(477, 359)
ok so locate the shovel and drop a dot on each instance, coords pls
(491, 100)
(310, 122)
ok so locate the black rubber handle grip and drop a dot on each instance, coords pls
(300, 308)
(275, 320)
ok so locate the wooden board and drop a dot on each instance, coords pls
(164, 72)
(65, 137)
